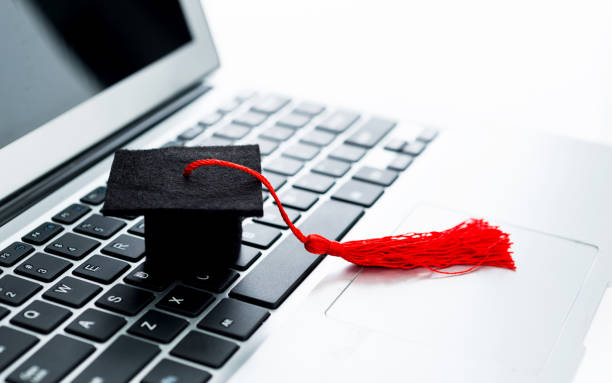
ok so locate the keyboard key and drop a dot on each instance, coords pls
(101, 269)
(266, 147)
(41, 317)
(414, 148)
(3, 312)
(72, 292)
(309, 108)
(126, 247)
(338, 121)
(284, 166)
(138, 229)
(331, 167)
(215, 281)
(173, 144)
(42, 233)
(281, 271)
(214, 141)
(232, 132)
(315, 183)
(140, 278)
(396, 144)
(13, 344)
(229, 106)
(250, 119)
(400, 162)
(244, 95)
(270, 104)
(371, 132)
(71, 214)
(204, 349)
(185, 301)
(298, 199)
(120, 362)
(158, 327)
(273, 217)
(125, 299)
(376, 176)
(53, 361)
(259, 235)
(99, 226)
(302, 152)
(96, 325)
(210, 119)
(191, 133)
(276, 180)
(348, 153)
(359, 193)
(427, 135)
(318, 138)
(234, 319)
(14, 291)
(96, 196)
(43, 267)
(248, 255)
(14, 252)
(277, 133)
(72, 246)
(294, 120)
(180, 373)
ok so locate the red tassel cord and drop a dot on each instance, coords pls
(473, 242)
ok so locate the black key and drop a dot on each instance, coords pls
(210, 119)
(13, 344)
(348, 153)
(275, 179)
(250, 119)
(138, 229)
(140, 278)
(126, 247)
(3, 312)
(396, 144)
(359, 193)
(279, 273)
(371, 132)
(191, 133)
(294, 120)
(302, 152)
(72, 292)
(72, 246)
(273, 217)
(298, 199)
(266, 147)
(400, 162)
(376, 176)
(414, 148)
(71, 214)
(318, 138)
(53, 361)
(41, 317)
(232, 132)
(427, 135)
(204, 349)
(309, 108)
(14, 252)
(42, 233)
(315, 183)
(185, 301)
(173, 144)
(270, 104)
(168, 371)
(338, 121)
(247, 257)
(96, 325)
(214, 141)
(120, 362)
(101, 269)
(125, 299)
(234, 319)
(158, 326)
(96, 196)
(277, 133)
(14, 291)
(284, 166)
(331, 167)
(99, 226)
(259, 235)
(43, 267)
(216, 281)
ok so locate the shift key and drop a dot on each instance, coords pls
(281, 272)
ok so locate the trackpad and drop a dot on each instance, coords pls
(491, 315)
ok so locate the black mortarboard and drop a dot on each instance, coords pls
(191, 224)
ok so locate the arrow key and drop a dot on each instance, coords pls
(96, 325)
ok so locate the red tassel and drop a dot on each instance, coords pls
(473, 242)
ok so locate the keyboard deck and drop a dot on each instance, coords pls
(74, 290)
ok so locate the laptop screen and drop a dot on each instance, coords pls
(59, 53)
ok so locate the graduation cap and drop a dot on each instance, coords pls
(191, 224)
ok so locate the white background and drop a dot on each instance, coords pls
(514, 64)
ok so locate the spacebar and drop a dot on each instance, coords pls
(278, 274)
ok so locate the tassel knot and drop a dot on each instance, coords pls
(317, 244)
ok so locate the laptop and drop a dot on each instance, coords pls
(81, 79)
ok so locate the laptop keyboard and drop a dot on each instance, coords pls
(79, 257)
